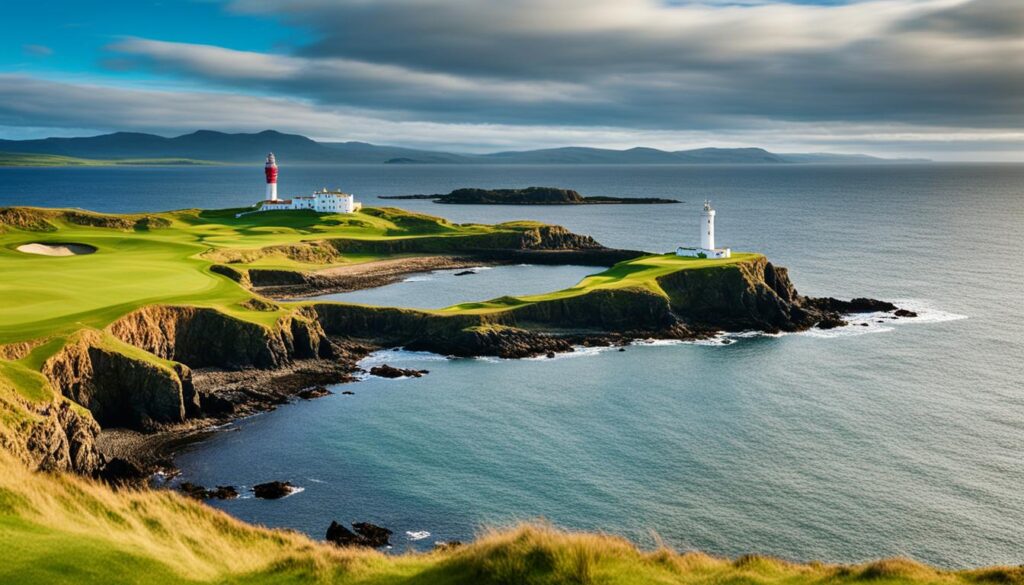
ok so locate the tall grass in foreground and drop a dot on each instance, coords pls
(62, 529)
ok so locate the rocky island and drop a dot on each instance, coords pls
(175, 322)
(530, 196)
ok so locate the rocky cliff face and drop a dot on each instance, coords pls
(124, 387)
(118, 389)
(751, 295)
(200, 337)
(63, 440)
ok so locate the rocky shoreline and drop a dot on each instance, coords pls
(162, 377)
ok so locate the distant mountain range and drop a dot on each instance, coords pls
(208, 145)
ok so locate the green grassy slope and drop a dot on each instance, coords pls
(61, 529)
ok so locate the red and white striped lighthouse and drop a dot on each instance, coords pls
(271, 171)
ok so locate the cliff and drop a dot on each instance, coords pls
(750, 295)
(120, 387)
(202, 337)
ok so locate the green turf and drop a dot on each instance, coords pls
(51, 296)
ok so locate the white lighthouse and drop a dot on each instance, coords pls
(270, 170)
(707, 247)
(707, 227)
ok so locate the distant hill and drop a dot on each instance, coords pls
(208, 145)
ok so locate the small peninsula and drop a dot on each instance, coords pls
(530, 196)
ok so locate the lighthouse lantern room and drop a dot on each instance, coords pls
(707, 247)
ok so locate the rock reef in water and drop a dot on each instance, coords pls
(362, 534)
(273, 490)
(386, 371)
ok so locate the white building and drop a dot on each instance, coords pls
(322, 201)
(707, 247)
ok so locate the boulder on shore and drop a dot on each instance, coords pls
(314, 392)
(273, 490)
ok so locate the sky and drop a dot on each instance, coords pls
(942, 79)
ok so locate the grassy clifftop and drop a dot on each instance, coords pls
(165, 258)
(62, 529)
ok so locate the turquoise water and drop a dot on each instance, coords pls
(891, 439)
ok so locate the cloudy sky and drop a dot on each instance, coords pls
(936, 78)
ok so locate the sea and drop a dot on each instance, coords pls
(891, 438)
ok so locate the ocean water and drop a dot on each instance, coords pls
(900, 438)
(443, 288)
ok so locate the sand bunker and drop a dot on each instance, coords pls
(56, 249)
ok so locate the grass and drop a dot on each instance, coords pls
(137, 265)
(15, 159)
(640, 272)
(62, 529)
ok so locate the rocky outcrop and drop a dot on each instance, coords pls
(502, 341)
(386, 371)
(201, 337)
(606, 310)
(121, 390)
(16, 351)
(63, 440)
(750, 295)
(858, 305)
(273, 490)
(362, 534)
(221, 492)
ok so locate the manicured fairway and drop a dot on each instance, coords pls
(48, 296)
